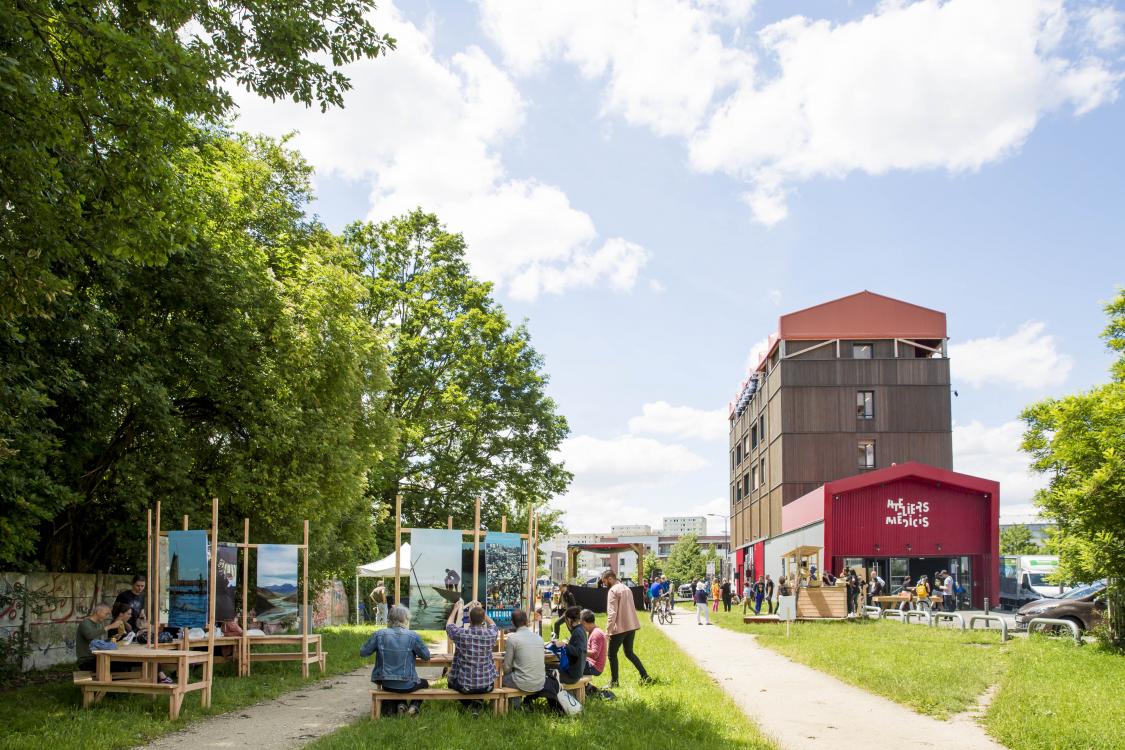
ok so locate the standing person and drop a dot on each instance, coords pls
(473, 670)
(948, 593)
(716, 593)
(597, 645)
(878, 585)
(621, 626)
(565, 602)
(668, 590)
(747, 595)
(395, 648)
(923, 591)
(700, 598)
(133, 597)
(725, 589)
(769, 593)
(853, 591)
(759, 593)
(378, 597)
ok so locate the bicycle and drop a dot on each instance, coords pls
(663, 611)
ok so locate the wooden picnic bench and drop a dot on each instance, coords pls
(577, 688)
(497, 696)
(310, 653)
(148, 683)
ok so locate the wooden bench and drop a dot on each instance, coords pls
(82, 676)
(498, 697)
(577, 688)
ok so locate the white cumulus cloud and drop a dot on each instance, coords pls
(427, 132)
(662, 418)
(1028, 358)
(993, 453)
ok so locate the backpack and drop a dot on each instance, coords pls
(957, 588)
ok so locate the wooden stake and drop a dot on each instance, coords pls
(185, 521)
(476, 548)
(148, 574)
(305, 609)
(154, 616)
(209, 665)
(398, 546)
(503, 524)
(243, 645)
(449, 523)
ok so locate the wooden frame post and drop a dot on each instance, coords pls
(398, 546)
(476, 548)
(209, 665)
(154, 585)
(449, 523)
(148, 572)
(530, 578)
(305, 614)
(503, 524)
(243, 642)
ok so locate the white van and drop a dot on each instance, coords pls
(1023, 579)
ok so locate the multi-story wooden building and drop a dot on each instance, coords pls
(846, 387)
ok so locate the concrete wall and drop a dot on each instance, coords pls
(52, 632)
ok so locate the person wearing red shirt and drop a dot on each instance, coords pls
(597, 645)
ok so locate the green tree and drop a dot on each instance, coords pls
(1079, 442)
(243, 369)
(686, 560)
(652, 562)
(468, 390)
(1016, 540)
(97, 98)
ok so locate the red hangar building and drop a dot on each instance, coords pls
(909, 519)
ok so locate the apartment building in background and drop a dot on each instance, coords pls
(845, 387)
(680, 525)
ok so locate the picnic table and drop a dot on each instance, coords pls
(149, 683)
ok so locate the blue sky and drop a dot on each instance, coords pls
(651, 184)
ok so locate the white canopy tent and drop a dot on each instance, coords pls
(384, 568)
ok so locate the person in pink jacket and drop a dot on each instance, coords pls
(621, 626)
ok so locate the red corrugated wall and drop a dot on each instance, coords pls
(959, 520)
(759, 559)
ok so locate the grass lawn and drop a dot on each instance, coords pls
(1058, 696)
(43, 716)
(935, 672)
(687, 709)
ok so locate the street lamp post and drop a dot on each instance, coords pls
(726, 534)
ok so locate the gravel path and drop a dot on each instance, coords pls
(289, 721)
(800, 707)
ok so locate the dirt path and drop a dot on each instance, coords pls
(800, 707)
(289, 721)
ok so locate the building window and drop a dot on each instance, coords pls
(861, 351)
(733, 495)
(762, 472)
(762, 428)
(865, 404)
(753, 436)
(754, 473)
(738, 489)
(746, 485)
(866, 454)
(732, 463)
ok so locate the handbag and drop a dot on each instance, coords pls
(568, 703)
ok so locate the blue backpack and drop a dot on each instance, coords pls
(564, 660)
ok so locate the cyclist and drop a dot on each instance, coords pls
(654, 592)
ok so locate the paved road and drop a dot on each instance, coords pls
(800, 707)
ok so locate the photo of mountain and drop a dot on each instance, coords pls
(275, 595)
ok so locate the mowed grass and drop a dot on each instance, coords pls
(687, 709)
(51, 716)
(1055, 695)
(933, 671)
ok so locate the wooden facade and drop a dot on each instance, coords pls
(802, 427)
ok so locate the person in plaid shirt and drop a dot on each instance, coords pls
(474, 669)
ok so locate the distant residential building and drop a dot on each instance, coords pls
(624, 563)
(636, 529)
(1036, 525)
(680, 525)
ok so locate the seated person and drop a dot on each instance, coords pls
(523, 661)
(395, 648)
(90, 629)
(473, 670)
(575, 647)
(133, 597)
(119, 626)
(597, 645)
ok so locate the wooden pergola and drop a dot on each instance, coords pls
(573, 550)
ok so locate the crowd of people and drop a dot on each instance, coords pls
(474, 636)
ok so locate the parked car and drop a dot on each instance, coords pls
(684, 591)
(1084, 606)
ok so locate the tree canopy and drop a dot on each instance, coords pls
(1016, 540)
(467, 388)
(1079, 442)
(686, 561)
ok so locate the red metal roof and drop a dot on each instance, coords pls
(863, 315)
(918, 471)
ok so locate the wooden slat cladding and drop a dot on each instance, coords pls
(856, 372)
